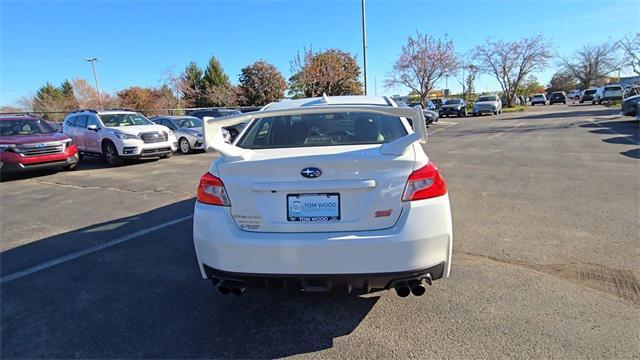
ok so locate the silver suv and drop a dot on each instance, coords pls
(118, 135)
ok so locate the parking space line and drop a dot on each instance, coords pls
(87, 251)
(507, 130)
(447, 125)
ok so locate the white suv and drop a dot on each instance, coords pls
(118, 135)
(331, 193)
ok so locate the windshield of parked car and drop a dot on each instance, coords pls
(322, 130)
(487, 98)
(125, 119)
(24, 127)
(614, 88)
(538, 96)
(192, 122)
(452, 102)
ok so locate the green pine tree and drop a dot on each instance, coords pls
(214, 74)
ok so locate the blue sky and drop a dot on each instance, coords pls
(138, 40)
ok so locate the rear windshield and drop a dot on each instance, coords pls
(126, 119)
(613, 88)
(589, 92)
(24, 127)
(487, 98)
(190, 122)
(322, 130)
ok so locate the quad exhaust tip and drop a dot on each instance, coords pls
(415, 287)
(402, 290)
(227, 287)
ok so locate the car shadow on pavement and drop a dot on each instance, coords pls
(96, 162)
(87, 163)
(624, 132)
(144, 298)
(506, 129)
(563, 114)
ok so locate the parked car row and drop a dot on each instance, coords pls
(608, 93)
(115, 135)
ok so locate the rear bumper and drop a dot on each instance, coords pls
(449, 111)
(484, 110)
(421, 239)
(361, 283)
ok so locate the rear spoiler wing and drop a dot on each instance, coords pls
(214, 140)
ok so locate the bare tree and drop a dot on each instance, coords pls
(630, 45)
(173, 81)
(470, 73)
(25, 102)
(510, 62)
(591, 64)
(423, 61)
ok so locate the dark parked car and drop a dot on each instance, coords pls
(630, 105)
(588, 95)
(455, 107)
(558, 97)
(437, 103)
(234, 131)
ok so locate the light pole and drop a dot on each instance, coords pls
(364, 45)
(446, 84)
(95, 77)
(464, 94)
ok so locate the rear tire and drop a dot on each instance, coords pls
(111, 155)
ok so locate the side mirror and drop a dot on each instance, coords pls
(93, 127)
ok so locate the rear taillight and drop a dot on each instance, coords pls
(424, 183)
(211, 191)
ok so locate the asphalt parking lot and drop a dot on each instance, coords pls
(99, 262)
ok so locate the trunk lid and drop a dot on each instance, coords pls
(369, 184)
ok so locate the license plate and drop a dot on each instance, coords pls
(313, 207)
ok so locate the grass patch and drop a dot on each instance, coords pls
(613, 104)
(514, 109)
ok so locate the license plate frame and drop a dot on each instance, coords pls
(323, 215)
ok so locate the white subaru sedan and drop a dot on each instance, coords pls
(323, 194)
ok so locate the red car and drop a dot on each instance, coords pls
(28, 143)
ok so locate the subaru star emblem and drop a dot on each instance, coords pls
(311, 172)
